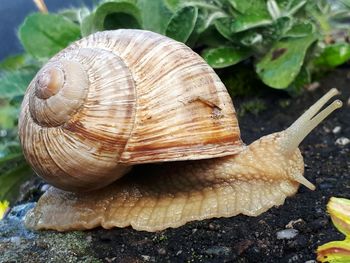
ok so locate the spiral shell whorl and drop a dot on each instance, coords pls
(49, 83)
(52, 100)
(76, 118)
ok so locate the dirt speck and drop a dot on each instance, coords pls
(277, 53)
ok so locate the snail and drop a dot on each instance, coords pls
(124, 98)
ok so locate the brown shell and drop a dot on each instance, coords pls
(127, 97)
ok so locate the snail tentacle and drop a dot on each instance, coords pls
(296, 133)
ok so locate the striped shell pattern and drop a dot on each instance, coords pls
(119, 98)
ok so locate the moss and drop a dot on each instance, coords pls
(284, 103)
(241, 81)
(158, 238)
(48, 247)
(253, 106)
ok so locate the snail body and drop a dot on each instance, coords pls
(125, 97)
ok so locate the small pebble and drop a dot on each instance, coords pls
(311, 261)
(178, 252)
(318, 224)
(298, 243)
(287, 233)
(313, 86)
(110, 260)
(326, 185)
(294, 258)
(44, 188)
(16, 240)
(218, 251)
(162, 251)
(295, 222)
(213, 226)
(336, 129)
(327, 130)
(145, 257)
(18, 212)
(243, 246)
(342, 141)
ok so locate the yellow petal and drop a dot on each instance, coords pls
(4, 205)
(334, 252)
(339, 210)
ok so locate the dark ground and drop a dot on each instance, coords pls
(240, 238)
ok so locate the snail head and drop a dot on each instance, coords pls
(279, 152)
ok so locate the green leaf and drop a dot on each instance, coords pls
(250, 39)
(346, 2)
(334, 55)
(245, 22)
(302, 29)
(9, 148)
(8, 116)
(293, 6)
(87, 25)
(155, 15)
(173, 5)
(12, 62)
(222, 57)
(253, 13)
(182, 23)
(301, 80)
(228, 27)
(75, 15)
(116, 14)
(14, 83)
(280, 66)
(274, 9)
(245, 6)
(11, 180)
(12, 157)
(212, 38)
(223, 26)
(43, 35)
(199, 28)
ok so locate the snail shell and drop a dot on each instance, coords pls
(119, 98)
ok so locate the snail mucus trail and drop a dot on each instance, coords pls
(218, 175)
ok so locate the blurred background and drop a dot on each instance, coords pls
(12, 14)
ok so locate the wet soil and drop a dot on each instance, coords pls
(254, 239)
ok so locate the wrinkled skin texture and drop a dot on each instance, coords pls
(155, 197)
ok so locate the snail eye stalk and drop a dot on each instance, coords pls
(297, 132)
